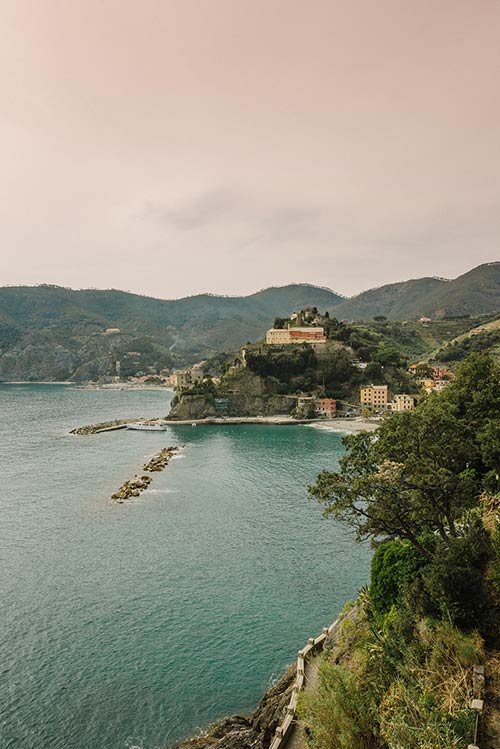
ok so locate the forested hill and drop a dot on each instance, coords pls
(473, 293)
(49, 332)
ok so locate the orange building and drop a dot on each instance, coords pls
(326, 408)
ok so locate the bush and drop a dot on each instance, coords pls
(394, 566)
(454, 579)
(339, 713)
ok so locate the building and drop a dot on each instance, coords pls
(402, 402)
(307, 335)
(425, 320)
(305, 401)
(429, 385)
(183, 379)
(442, 373)
(112, 331)
(285, 336)
(374, 397)
(197, 373)
(277, 337)
(325, 408)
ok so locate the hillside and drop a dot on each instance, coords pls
(475, 292)
(51, 333)
(397, 301)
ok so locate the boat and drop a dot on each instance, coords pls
(148, 426)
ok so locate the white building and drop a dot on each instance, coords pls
(402, 402)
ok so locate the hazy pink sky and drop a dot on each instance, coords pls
(177, 146)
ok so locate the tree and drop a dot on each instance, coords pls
(380, 318)
(422, 469)
(373, 372)
(279, 323)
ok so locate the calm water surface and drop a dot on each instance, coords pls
(134, 625)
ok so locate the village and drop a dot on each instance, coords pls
(370, 400)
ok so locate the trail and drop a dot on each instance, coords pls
(296, 738)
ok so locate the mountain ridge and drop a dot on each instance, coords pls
(53, 332)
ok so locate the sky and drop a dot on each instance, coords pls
(172, 147)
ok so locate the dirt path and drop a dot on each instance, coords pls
(296, 738)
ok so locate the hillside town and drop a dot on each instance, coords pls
(308, 330)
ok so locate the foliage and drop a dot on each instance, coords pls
(283, 364)
(340, 712)
(423, 468)
(297, 368)
(394, 566)
(406, 684)
(459, 350)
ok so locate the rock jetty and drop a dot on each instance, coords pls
(95, 428)
(132, 489)
(159, 461)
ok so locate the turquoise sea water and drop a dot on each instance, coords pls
(134, 625)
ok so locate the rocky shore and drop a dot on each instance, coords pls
(257, 731)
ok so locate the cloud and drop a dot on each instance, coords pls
(256, 215)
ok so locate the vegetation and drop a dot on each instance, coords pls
(300, 369)
(474, 293)
(426, 490)
(48, 331)
(458, 350)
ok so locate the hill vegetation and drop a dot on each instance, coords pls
(474, 293)
(426, 490)
(49, 332)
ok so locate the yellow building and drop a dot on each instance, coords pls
(284, 336)
(374, 396)
(277, 336)
(428, 385)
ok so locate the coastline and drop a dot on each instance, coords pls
(345, 426)
(87, 386)
(340, 426)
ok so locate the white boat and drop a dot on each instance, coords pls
(148, 426)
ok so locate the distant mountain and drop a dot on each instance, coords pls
(49, 332)
(474, 293)
(396, 301)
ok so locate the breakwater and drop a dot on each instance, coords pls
(135, 487)
(103, 426)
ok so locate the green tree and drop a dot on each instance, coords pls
(422, 469)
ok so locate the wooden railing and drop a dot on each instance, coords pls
(314, 644)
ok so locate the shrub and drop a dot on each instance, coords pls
(394, 566)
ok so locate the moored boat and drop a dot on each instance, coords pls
(148, 426)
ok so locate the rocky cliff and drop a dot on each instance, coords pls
(257, 730)
(244, 394)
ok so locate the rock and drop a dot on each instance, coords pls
(252, 732)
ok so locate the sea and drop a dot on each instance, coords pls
(133, 626)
